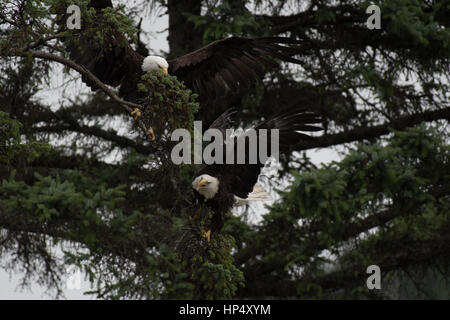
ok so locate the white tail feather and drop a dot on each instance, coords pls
(258, 194)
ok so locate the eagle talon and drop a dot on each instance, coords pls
(207, 235)
(136, 113)
(152, 133)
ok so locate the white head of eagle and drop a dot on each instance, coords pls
(206, 185)
(155, 63)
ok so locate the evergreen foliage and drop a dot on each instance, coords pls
(82, 186)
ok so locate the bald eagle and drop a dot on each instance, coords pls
(217, 185)
(220, 68)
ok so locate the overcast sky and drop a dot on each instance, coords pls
(158, 40)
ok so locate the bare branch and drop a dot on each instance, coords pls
(83, 71)
(111, 136)
(361, 133)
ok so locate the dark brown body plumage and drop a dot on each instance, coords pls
(239, 179)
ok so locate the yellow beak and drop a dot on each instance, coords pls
(202, 183)
(164, 70)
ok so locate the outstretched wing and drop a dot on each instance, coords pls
(222, 123)
(222, 67)
(246, 175)
(232, 64)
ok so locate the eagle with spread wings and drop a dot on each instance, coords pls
(223, 67)
(220, 186)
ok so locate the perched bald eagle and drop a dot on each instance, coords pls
(220, 68)
(218, 184)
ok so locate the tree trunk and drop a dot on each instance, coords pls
(182, 36)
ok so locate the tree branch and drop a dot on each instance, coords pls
(111, 136)
(307, 19)
(83, 71)
(361, 133)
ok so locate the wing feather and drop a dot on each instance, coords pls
(288, 125)
(246, 60)
(240, 179)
